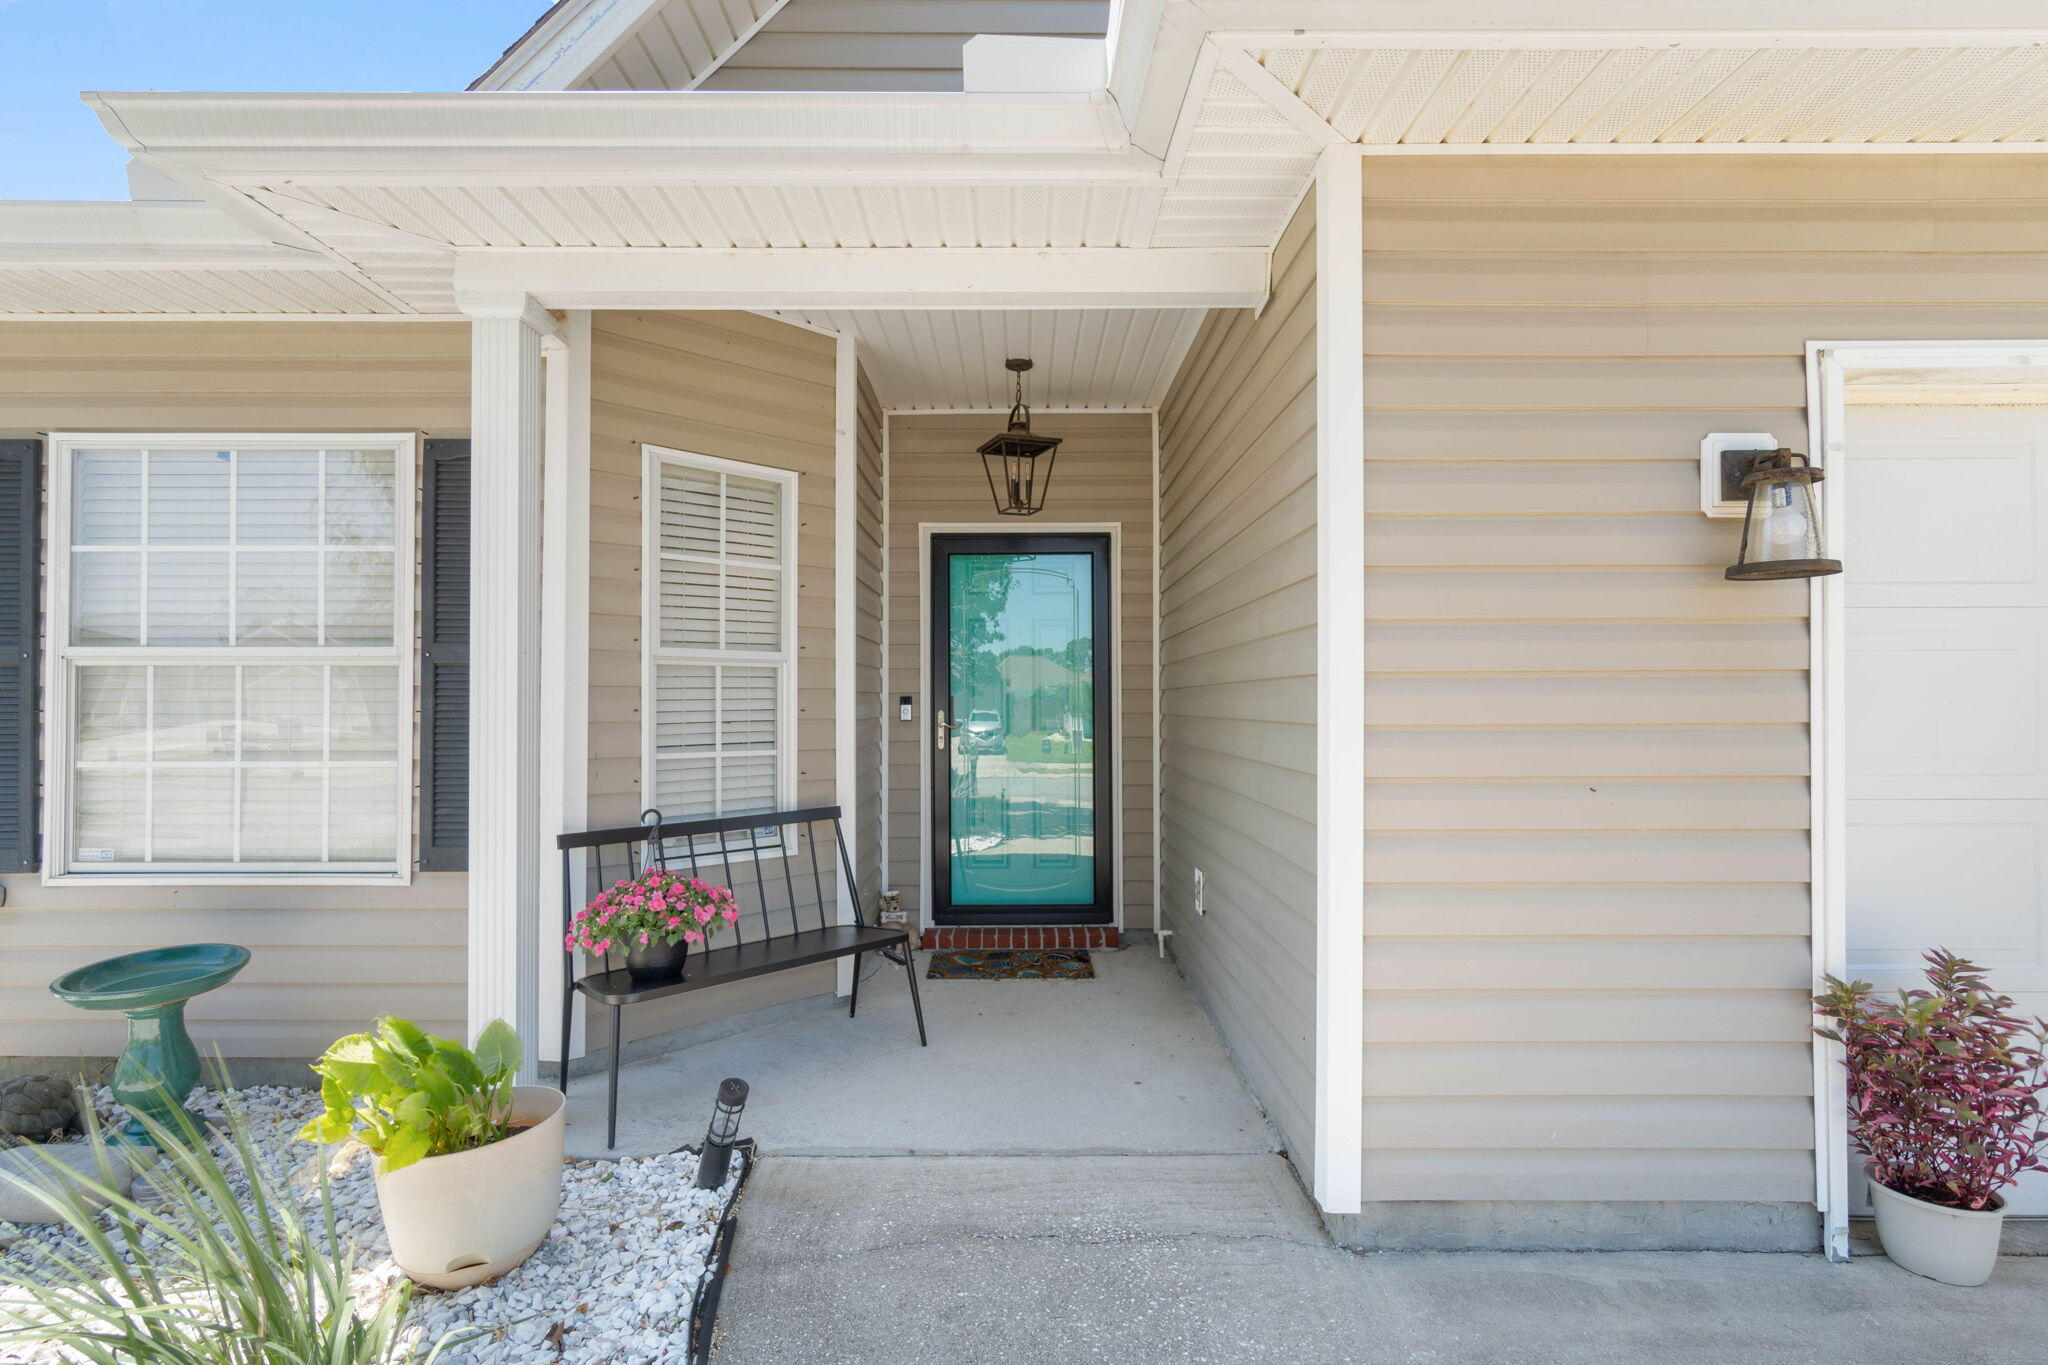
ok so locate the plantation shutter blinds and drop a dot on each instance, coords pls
(722, 611)
(444, 659)
(21, 465)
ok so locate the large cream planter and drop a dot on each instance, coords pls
(468, 1217)
(1955, 1246)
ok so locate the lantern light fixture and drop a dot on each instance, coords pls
(1781, 531)
(1018, 462)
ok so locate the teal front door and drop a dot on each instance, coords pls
(1021, 802)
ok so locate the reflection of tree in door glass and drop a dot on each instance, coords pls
(1023, 703)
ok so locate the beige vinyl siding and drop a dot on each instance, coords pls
(1103, 476)
(890, 44)
(326, 959)
(736, 387)
(870, 593)
(1238, 687)
(1587, 849)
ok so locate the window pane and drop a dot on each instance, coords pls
(277, 497)
(363, 713)
(689, 510)
(359, 597)
(363, 816)
(277, 597)
(106, 597)
(686, 787)
(753, 518)
(689, 605)
(753, 609)
(107, 815)
(194, 811)
(113, 714)
(188, 597)
(281, 815)
(106, 497)
(194, 713)
(282, 709)
(359, 497)
(746, 783)
(188, 497)
(684, 707)
(747, 709)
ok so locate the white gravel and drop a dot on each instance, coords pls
(619, 1273)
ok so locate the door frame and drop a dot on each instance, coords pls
(1828, 365)
(925, 852)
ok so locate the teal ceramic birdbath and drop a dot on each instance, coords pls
(159, 1067)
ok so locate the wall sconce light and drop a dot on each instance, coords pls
(722, 1134)
(1016, 479)
(1781, 531)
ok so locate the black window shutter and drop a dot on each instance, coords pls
(21, 484)
(444, 659)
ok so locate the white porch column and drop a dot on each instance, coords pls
(506, 386)
(1340, 679)
(845, 624)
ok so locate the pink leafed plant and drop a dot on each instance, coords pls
(658, 906)
(1944, 1084)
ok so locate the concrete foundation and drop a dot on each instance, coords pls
(1512, 1225)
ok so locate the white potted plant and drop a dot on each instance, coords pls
(469, 1165)
(1945, 1094)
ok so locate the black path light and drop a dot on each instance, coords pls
(1781, 535)
(722, 1134)
(1016, 477)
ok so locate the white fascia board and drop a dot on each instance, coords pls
(112, 235)
(567, 44)
(1300, 23)
(610, 136)
(888, 277)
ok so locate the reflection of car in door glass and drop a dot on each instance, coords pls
(982, 733)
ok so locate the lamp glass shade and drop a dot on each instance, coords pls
(1019, 466)
(1781, 529)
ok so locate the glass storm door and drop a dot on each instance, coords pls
(1021, 803)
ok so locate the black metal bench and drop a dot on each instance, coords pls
(713, 850)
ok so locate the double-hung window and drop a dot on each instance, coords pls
(230, 627)
(720, 626)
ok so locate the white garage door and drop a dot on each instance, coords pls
(1946, 513)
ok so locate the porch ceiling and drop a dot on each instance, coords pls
(950, 359)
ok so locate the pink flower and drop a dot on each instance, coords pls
(675, 922)
(692, 936)
(604, 947)
(703, 914)
(643, 938)
(731, 916)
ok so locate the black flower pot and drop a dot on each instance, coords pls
(652, 962)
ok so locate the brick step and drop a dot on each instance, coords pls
(1004, 936)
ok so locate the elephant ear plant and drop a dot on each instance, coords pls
(409, 1094)
(1944, 1084)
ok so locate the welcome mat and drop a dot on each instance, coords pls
(1012, 964)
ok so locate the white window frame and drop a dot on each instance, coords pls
(653, 653)
(60, 657)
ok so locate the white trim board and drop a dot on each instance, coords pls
(1828, 365)
(1339, 1165)
(921, 693)
(846, 622)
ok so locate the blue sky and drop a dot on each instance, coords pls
(52, 147)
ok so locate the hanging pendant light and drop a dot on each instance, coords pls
(1019, 464)
(1781, 535)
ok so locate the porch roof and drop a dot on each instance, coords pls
(1131, 197)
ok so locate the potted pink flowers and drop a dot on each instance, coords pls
(653, 919)
(1945, 1092)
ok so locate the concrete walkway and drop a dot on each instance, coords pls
(1074, 1172)
(1205, 1259)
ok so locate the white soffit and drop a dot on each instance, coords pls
(1733, 96)
(953, 359)
(627, 44)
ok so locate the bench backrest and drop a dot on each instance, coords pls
(780, 866)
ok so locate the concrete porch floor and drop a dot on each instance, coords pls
(1124, 1063)
(1074, 1172)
